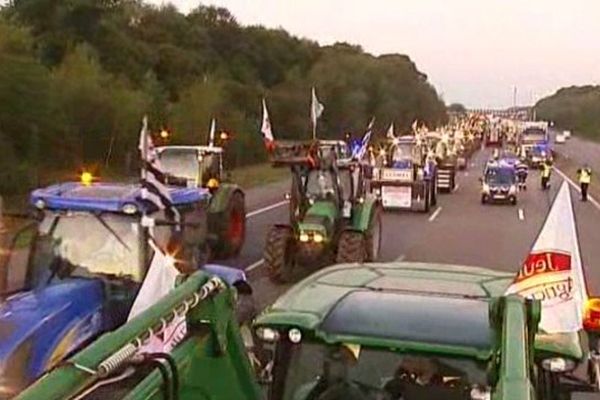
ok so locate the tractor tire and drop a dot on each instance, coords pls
(373, 236)
(427, 204)
(233, 231)
(351, 248)
(434, 190)
(277, 253)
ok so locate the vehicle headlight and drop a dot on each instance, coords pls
(486, 188)
(129, 209)
(558, 364)
(512, 189)
(267, 334)
(303, 237)
(318, 238)
(40, 204)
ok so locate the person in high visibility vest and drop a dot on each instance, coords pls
(545, 175)
(585, 177)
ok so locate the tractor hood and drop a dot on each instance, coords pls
(39, 327)
(320, 217)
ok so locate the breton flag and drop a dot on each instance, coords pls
(364, 145)
(390, 132)
(265, 128)
(211, 134)
(553, 272)
(316, 109)
(153, 180)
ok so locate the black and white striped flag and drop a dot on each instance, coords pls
(153, 179)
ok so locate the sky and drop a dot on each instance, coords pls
(474, 51)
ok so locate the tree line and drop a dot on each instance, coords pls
(76, 77)
(576, 108)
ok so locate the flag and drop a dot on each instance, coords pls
(266, 127)
(364, 144)
(316, 108)
(553, 272)
(211, 134)
(415, 125)
(153, 180)
(390, 132)
(159, 281)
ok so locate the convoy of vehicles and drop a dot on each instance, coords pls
(332, 217)
(405, 178)
(202, 166)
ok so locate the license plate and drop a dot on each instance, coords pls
(396, 196)
(499, 196)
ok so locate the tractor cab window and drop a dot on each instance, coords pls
(403, 152)
(210, 166)
(182, 163)
(320, 185)
(318, 371)
(346, 184)
(84, 245)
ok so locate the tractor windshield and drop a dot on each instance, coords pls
(320, 184)
(403, 151)
(86, 244)
(182, 163)
(318, 371)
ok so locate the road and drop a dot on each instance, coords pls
(459, 231)
(581, 151)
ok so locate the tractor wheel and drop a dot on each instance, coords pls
(278, 253)
(351, 248)
(233, 232)
(434, 190)
(373, 236)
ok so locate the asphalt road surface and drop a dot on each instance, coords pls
(581, 151)
(459, 231)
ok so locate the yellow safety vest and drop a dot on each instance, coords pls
(585, 176)
(546, 171)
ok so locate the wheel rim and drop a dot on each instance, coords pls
(236, 227)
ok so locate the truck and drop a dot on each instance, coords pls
(211, 362)
(417, 331)
(405, 178)
(73, 271)
(202, 166)
(534, 144)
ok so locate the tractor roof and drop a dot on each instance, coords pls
(110, 197)
(413, 306)
(200, 149)
(383, 304)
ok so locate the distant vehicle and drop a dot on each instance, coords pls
(414, 331)
(560, 138)
(499, 184)
(567, 134)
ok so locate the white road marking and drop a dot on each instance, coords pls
(401, 258)
(435, 214)
(456, 187)
(265, 209)
(521, 214)
(255, 265)
(576, 187)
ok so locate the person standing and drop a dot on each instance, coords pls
(545, 175)
(585, 177)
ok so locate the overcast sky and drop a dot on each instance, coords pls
(474, 51)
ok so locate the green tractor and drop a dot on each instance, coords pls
(332, 217)
(202, 166)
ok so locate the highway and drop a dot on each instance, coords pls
(459, 231)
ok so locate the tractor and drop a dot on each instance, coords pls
(446, 161)
(202, 166)
(72, 272)
(332, 217)
(404, 177)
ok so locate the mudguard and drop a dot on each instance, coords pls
(361, 215)
(233, 276)
(220, 198)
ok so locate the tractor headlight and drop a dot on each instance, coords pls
(267, 334)
(304, 237)
(318, 238)
(558, 364)
(129, 209)
(40, 204)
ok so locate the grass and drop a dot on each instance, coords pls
(570, 168)
(257, 175)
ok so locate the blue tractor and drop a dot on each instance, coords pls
(74, 272)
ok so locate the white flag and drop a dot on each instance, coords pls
(266, 127)
(415, 125)
(211, 134)
(553, 272)
(390, 132)
(316, 108)
(159, 281)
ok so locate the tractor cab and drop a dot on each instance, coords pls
(197, 165)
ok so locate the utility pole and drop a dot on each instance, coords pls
(515, 96)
